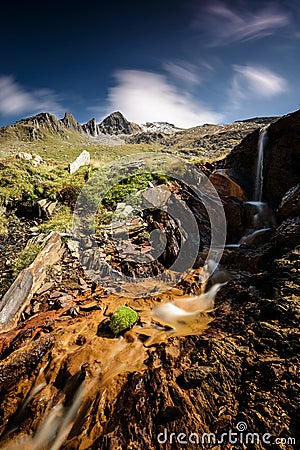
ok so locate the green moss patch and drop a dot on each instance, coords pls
(122, 319)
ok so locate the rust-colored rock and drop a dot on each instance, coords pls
(226, 186)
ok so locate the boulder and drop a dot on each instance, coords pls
(226, 186)
(29, 281)
(156, 197)
(290, 204)
(83, 159)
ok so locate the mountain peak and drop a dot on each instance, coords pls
(71, 123)
(115, 123)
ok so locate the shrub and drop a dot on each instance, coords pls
(122, 319)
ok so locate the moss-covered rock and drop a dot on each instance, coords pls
(122, 319)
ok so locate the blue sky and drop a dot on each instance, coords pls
(185, 62)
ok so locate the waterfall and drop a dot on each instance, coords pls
(262, 220)
(260, 164)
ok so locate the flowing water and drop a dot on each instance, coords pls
(180, 316)
(263, 218)
(263, 136)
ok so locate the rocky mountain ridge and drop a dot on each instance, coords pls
(36, 127)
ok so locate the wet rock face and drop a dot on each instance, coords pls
(281, 159)
(235, 217)
(242, 159)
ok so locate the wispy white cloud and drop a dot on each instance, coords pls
(184, 72)
(241, 23)
(259, 81)
(254, 83)
(146, 96)
(15, 99)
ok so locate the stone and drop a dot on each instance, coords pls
(25, 156)
(290, 203)
(73, 246)
(46, 208)
(226, 186)
(35, 160)
(82, 160)
(156, 197)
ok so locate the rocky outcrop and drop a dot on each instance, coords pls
(35, 160)
(281, 165)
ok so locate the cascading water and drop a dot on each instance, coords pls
(263, 136)
(263, 219)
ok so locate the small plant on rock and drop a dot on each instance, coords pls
(122, 319)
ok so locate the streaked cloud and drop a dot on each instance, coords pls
(146, 96)
(242, 22)
(15, 99)
(257, 81)
(183, 72)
